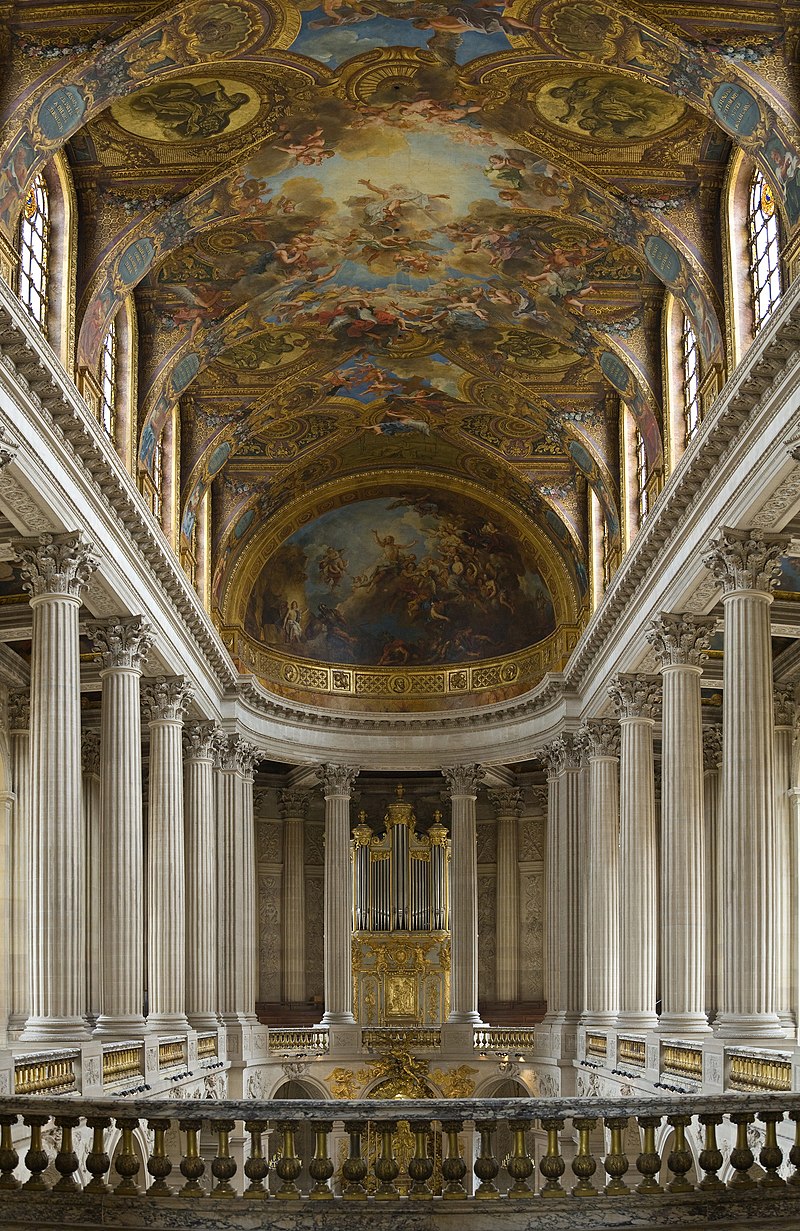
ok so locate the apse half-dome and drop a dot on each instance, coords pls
(404, 594)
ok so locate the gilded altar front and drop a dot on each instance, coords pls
(401, 978)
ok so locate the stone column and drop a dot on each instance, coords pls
(92, 835)
(123, 646)
(636, 699)
(507, 804)
(57, 569)
(784, 737)
(601, 983)
(165, 701)
(680, 643)
(714, 925)
(20, 940)
(200, 816)
(746, 564)
(294, 805)
(236, 927)
(564, 907)
(462, 784)
(249, 757)
(337, 784)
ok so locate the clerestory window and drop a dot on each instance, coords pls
(34, 251)
(765, 262)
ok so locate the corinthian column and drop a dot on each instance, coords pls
(507, 804)
(294, 806)
(601, 996)
(93, 882)
(564, 909)
(337, 784)
(715, 925)
(57, 569)
(746, 564)
(165, 702)
(680, 643)
(236, 928)
(20, 940)
(462, 784)
(784, 737)
(636, 699)
(200, 815)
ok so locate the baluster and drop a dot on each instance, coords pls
(257, 1167)
(288, 1166)
(679, 1159)
(710, 1158)
(158, 1164)
(321, 1166)
(9, 1158)
(741, 1154)
(771, 1155)
(420, 1166)
(192, 1165)
(36, 1159)
(97, 1161)
(648, 1164)
(387, 1168)
(520, 1166)
(354, 1168)
(126, 1164)
(453, 1166)
(223, 1168)
(552, 1165)
(66, 1162)
(486, 1166)
(794, 1153)
(584, 1164)
(616, 1161)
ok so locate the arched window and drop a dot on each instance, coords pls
(641, 476)
(765, 252)
(34, 251)
(108, 381)
(690, 384)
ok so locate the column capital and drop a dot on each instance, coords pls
(19, 710)
(712, 749)
(600, 737)
(294, 802)
(9, 447)
(166, 698)
(507, 801)
(564, 752)
(785, 710)
(236, 755)
(122, 643)
(337, 779)
(90, 752)
(636, 695)
(56, 564)
(199, 741)
(746, 559)
(463, 779)
(681, 639)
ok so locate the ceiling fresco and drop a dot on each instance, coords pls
(376, 238)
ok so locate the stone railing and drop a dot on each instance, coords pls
(504, 1038)
(352, 1151)
(122, 1062)
(682, 1060)
(171, 1052)
(46, 1072)
(207, 1046)
(303, 1039)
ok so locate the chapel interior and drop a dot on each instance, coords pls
(400, 606)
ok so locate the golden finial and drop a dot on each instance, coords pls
(437, 817)
(399, 790)
(362, 817)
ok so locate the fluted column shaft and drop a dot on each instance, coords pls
(784, 738)
(715, 925)
(551, 892)
(200, 817)
(22, 922)
(93, 882)
(236, 949)
(337, 783)
(507, 803)
(247, 880)
(601, 984)
(747, 564)
(636, 698)
(564, 943)
(294, 806)
(462, 782)
(165, 701)
(57, 568)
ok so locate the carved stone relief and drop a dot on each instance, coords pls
(531, 943)
(268, 842)
(487, 910)
(315, 979)
(269, 936)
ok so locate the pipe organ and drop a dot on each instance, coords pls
(401, 929)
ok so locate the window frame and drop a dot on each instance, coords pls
(763, 249)
(34, 252)
(690, 381)
(107, 410)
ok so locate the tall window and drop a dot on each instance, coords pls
(108, 381)
(691, 381)
(33, 251)
(641, 476)
(158, 473)
(765, 263)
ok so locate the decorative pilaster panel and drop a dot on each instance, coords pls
(337, 784)
(601, 996)
(681, 643)
(294, 805)
(747, 564)
(462, 785)
(637, 700)
(199, 748)
(165, 701)
(715, 925)
(56, 569)
(20, 940)
(507, 804)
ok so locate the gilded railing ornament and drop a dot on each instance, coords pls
(681, 639)
(746, 559)
(56, 564)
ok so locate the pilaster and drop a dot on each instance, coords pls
(337, 784)
(462, 785)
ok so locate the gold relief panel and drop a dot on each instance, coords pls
(400, 997)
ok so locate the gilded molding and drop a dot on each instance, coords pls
(746, 559)
(122, 643)
(507, 801)
(337, 779)
(681, 640)
(199, 741)
(463, 780)
(712, 748)
(294, 802)
(56, 564)
(166, 699)
(636, 695)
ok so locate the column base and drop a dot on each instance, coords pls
(16, 1025)
(637, 1021)
(203, 1021)
(167, 1023)
(119, 1028)
(468, 1017)
(788, 1026)
(55, 1030)
(749, 1026)
(679, 1024)
(331, 1018)
(596, 1018)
